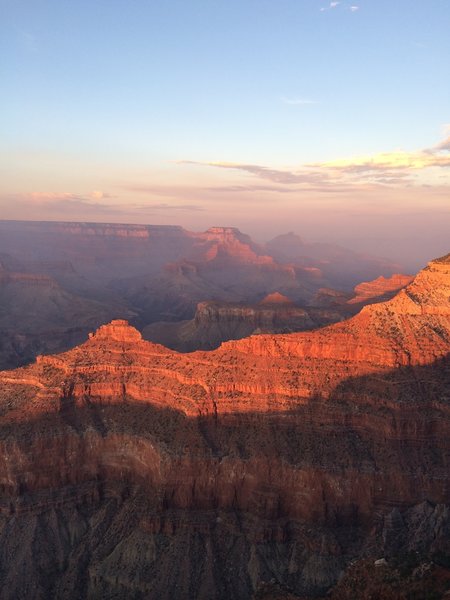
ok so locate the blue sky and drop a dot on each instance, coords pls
(102, 99)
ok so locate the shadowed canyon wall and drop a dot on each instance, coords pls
(129, 470)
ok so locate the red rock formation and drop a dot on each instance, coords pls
(276, 298)
(271, 446)
(411, 329)
(217, 322)
(380, 287)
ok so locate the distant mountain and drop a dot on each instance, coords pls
(223, 265)
(38, 316)
(342, 267)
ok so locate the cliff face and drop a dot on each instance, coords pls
(38, 315)
(144, 473)
(380, 288)
(216, 322)
(228, 244)
(411, 329)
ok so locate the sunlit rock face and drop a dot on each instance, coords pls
(130, 470)
(379, 288)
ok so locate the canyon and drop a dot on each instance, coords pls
(128, 469)
(218, 322)
(58, 281)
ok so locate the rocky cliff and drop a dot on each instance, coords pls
(216, 322)
(380, 288)
(129, 470)
(38, 315)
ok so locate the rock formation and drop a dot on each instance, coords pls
(38, 315)
(380, 288)
(217, 322)
(163, 272)
(343, 268)
(277, 299)
(129, 470)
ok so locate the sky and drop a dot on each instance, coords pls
(330, 119)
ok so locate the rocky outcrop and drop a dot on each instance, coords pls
(276, 298)
(380, 288)
(228, 244)
(216, 322)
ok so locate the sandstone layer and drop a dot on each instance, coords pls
(380, 288)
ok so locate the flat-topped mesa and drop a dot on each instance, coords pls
(119, 330)
(225, 234)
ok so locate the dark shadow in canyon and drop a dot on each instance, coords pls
(133, 501)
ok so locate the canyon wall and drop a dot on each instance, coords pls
(130, 470)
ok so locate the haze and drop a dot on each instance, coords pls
(329, 119)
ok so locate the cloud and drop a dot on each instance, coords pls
(239, 189)
(297, 101)
(99, 195)
(164, 206)
(62, 204)
(332, 5)
(444, 145)
(400, 160)
(303, 180)
(394, 169)
(274, 175)
(58, 201)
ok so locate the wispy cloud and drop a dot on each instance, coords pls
(64, 199)
(239, 189)
(163, 206)
(442, 146)
(330, 6)
(301, 180)
(296, 101)
(394, 169)
(274, 175)
(344, 6)
(62, 204)
(400, 160)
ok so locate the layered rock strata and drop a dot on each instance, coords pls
(129, 470)
(216, 322)
(379, 288)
